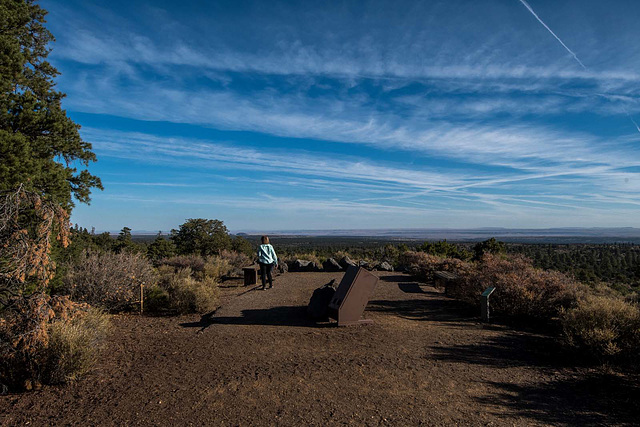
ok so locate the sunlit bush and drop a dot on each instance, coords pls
(180, 291)
(604, 327)
(521, 289)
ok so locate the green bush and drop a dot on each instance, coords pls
(604, 327)
(74, 346)
(156, 299)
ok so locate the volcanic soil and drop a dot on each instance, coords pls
(426, 360)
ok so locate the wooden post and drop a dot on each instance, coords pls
(141, 298)
(484, 303)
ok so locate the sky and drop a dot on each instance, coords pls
(274, 115)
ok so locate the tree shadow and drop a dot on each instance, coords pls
(276, 316)
(591, 399)
(509, 349)
(399, 278)
(439, 308)
(411, 288)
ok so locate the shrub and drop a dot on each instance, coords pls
(74, 345)
(216, 268)
(423, 265)
(184, 292)
(237, 261)
(189, 295)
(521, 289)
(108, 280)
(47, 339)
(194, 262)
(156, 299)
(606, 328)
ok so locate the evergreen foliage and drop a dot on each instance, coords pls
(40, 146)
(201, 236)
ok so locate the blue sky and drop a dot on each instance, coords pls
(331, 115)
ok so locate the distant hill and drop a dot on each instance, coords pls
(525, 235)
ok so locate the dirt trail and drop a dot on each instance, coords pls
(257, 361)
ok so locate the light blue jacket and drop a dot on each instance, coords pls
(267, 255)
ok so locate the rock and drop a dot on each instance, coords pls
(304, 265)
(364, 264)
(331, 265)
(282, 267)
(347, 262)
(385, 266)
(318, 308)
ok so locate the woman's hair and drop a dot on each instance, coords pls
(265, 240)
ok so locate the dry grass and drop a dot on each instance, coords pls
(74, 346)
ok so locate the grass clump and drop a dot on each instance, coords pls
(74, 346)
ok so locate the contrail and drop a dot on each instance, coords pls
(552, 33)
(571, 52)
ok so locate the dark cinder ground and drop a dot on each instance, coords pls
(257, 361)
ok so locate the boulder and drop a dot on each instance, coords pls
(347, 262)
(364, 264)
(318, 308)
(331, 265)
(385, 266)
(282, 267)
(304, 265)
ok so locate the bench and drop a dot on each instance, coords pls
(446, 280)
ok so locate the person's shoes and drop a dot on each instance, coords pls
(262, 288)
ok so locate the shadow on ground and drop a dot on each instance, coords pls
(505, 350)
(592, 399)
(438, 309)
(276, 316)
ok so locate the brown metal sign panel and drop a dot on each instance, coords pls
(352, 296)
(250, 275)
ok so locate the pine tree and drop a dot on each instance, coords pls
(40, 146)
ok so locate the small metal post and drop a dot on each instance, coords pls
(484, 303)
(141, 298)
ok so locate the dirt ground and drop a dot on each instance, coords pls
(257, 361)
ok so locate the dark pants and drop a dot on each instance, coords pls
(265, 272)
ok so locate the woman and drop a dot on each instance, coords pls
(267, 259)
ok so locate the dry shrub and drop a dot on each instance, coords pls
(521, 289)
(47, 339)
(181, 291)
(604, 327)
(423, 265)
(237, 260)
(215, 267)
(108, 280)
(194, 262)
